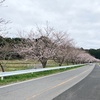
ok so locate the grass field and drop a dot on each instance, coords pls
(12, 65)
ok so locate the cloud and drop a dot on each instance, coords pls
(78, 17)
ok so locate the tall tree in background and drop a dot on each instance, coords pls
(63, 48)
(38, 45)
(2, 21)
(46, 44)
(3, 47)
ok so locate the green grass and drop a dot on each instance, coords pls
(18, 78)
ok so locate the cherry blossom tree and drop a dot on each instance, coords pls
(63, 49)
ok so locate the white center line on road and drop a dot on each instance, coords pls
(50, 88)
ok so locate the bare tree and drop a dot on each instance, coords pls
(73, 54)
(3, 48)
(1, 21)
(6, 51)
(63, 48)
(1, 1)
(38, 45)
(45, 44)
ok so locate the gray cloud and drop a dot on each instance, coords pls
(78, 17)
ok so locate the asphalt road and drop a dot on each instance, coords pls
(45, 88)
(87, 89)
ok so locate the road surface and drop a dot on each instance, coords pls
(45, 88)
(87, 89)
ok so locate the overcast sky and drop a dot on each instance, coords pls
(80, 18)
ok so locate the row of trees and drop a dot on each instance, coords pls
(43, 44)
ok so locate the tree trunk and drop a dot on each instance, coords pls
(2, 68)
(43, 62)
(67, 62)
(60, 64)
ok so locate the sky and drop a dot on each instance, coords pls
(79, 18)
